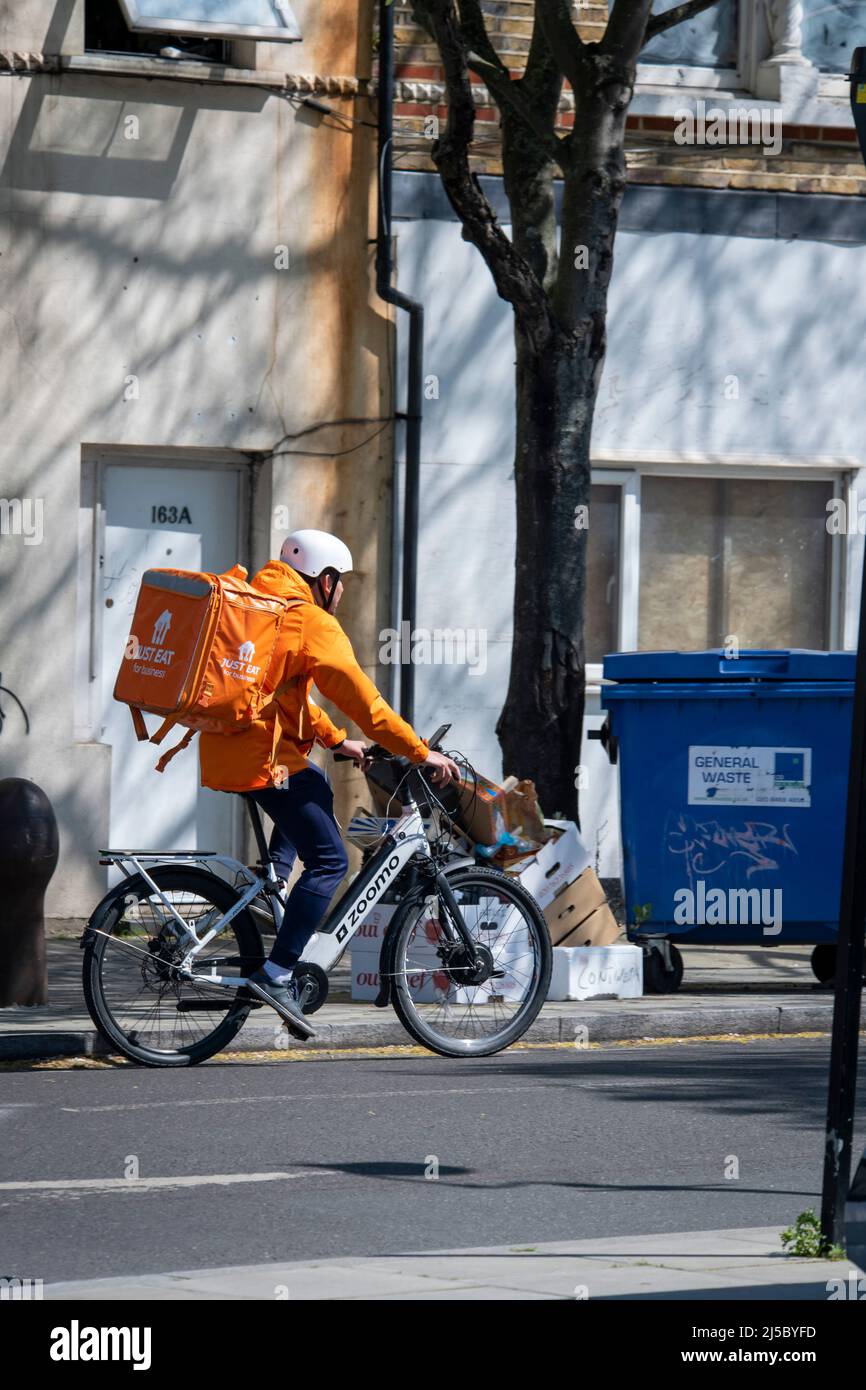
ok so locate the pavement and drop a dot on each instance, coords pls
(725, 991)
(635, 1170)
(746, 1264)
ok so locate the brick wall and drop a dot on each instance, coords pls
(812, 160)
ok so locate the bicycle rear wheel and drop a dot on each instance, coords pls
(134, 994)
(434, 997)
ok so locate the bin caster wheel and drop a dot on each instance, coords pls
(657, 977)
(824, 963)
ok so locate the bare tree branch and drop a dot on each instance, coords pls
(484, 60)
(678, 15)
(526, 169)
(563, 40)
(506, 92)
(625, 33)
(514, 279)
(474, 31)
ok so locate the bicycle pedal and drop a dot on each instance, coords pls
(293, 1031)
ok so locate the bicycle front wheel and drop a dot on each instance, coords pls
(139, 1002)
(438, 1001)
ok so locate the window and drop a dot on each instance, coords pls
(722, 556)
(708, 40)
(831, 30)
(105, 31)
(682, 562)
(271, 20)
(198, 28)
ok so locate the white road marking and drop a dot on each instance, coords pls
(291, 1099)
(596, 1084)
(154, 1184)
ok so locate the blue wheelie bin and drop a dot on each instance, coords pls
(733, 782)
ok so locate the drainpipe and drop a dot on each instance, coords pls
(414, 395)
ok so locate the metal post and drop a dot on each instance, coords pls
(852, 911)
(414, 393)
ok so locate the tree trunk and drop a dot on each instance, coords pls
(559, 298)
(541, 723)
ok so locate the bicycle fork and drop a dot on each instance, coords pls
(458, 939)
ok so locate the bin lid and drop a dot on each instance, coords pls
(787, 664)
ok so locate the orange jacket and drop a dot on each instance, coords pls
(312, 647)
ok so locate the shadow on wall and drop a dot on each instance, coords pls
(82, 134)
(155, 254)
(731, 344)
(59, 22)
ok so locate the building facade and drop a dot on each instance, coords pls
(193, 362)
(727, 452)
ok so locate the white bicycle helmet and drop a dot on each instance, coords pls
(314, 553)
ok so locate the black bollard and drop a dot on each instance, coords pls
(28, 857)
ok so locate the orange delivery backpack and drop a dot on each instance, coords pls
(199, 653)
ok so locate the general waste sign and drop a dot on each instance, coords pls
(749, 776)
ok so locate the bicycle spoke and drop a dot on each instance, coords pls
(447, 1005)
(140, 988)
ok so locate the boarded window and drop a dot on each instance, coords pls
(722, 557)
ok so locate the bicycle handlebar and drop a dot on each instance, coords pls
(375, 753)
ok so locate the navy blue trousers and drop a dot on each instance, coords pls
(302, 810)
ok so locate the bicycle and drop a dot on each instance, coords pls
(465, 961)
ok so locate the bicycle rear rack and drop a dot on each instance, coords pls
(113, 856)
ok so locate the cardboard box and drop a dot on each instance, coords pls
(579, 914)
(482, 812)
(524, 813)
(587, 972)
(427, 985)
(556, 864)
(365, 950)
(428, 982)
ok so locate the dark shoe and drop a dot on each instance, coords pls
(284, 999)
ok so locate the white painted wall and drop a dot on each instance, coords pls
(687, 312)
(153, 258)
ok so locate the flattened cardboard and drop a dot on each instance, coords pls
(579, 914)
(557, 863)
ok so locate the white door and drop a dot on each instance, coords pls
(160, 518)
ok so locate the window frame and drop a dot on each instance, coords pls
(662, 89)
(842, 576)
(708, 78)
(205, 29)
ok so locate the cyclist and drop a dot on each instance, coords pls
(268, 761)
